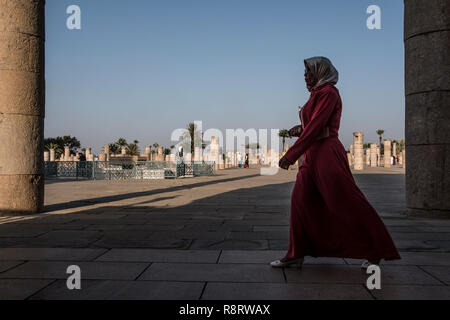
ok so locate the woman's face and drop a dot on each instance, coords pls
(309, 78)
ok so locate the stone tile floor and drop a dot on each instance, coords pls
(206, 238)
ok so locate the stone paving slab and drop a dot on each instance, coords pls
(415, 258)
(20, 289)
(440, 273)
(154, 255)
(230, 244)
(6, 265)
(283, 291)
(89, 270)
(212, 272)
(354, 275)
(61, 254)
(412, 293)
(122, 290)
(266, 256)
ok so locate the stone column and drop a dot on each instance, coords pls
(373, 155)
(378, 156)
(46, 156)
(52, 155)
(358, 149)
(88, 153)
(427, 90)
(123, 151)
(352, 158)
(160, 154)
(387, 153)
(66, 153)
(107, 153)
(349, 158)
(368, 157)
(22, 102)
(197, 154)
(403, 159)
(102, 157)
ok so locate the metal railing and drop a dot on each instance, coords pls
(126, 170)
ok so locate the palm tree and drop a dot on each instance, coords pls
(114, 148)
(191, 129)
(133, 149)
(380, 132)
(122, 143)
(284, 134)
(55, 147)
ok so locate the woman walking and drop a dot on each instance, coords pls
(330, 216)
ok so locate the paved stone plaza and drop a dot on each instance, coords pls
(206, 238)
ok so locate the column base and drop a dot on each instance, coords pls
(21, 194)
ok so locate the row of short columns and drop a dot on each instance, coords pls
(358, 158)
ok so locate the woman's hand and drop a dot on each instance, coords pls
(295, 131)
(284, 163)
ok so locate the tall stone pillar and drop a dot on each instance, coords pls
(358, 149)
(373, 155)
(22, 103)
(52, 155)
(46, 156)
(427, 89)
(387, 153)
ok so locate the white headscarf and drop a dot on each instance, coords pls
(323, 70)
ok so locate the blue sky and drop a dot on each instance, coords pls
(140, 69)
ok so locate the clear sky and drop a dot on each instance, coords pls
(139, 69)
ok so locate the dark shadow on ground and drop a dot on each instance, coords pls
(87, 202)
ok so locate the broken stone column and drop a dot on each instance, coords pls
(123, 151)
(46, 156)
(427, 90)
(88, 154)
(214, 151)
(368, 157)
(22, 102)
(373, 155)
(107, 153)
(197, 154)
(160, 154)
(349, 158)
(403, 159)
(66, 153)
(352, 157)
(52, 155)
(378, 157)
(358, 149)
(387, 153)
(102, 157)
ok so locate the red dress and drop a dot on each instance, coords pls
(330, 216)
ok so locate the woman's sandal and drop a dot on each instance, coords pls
(287, 262)
(368, 263)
